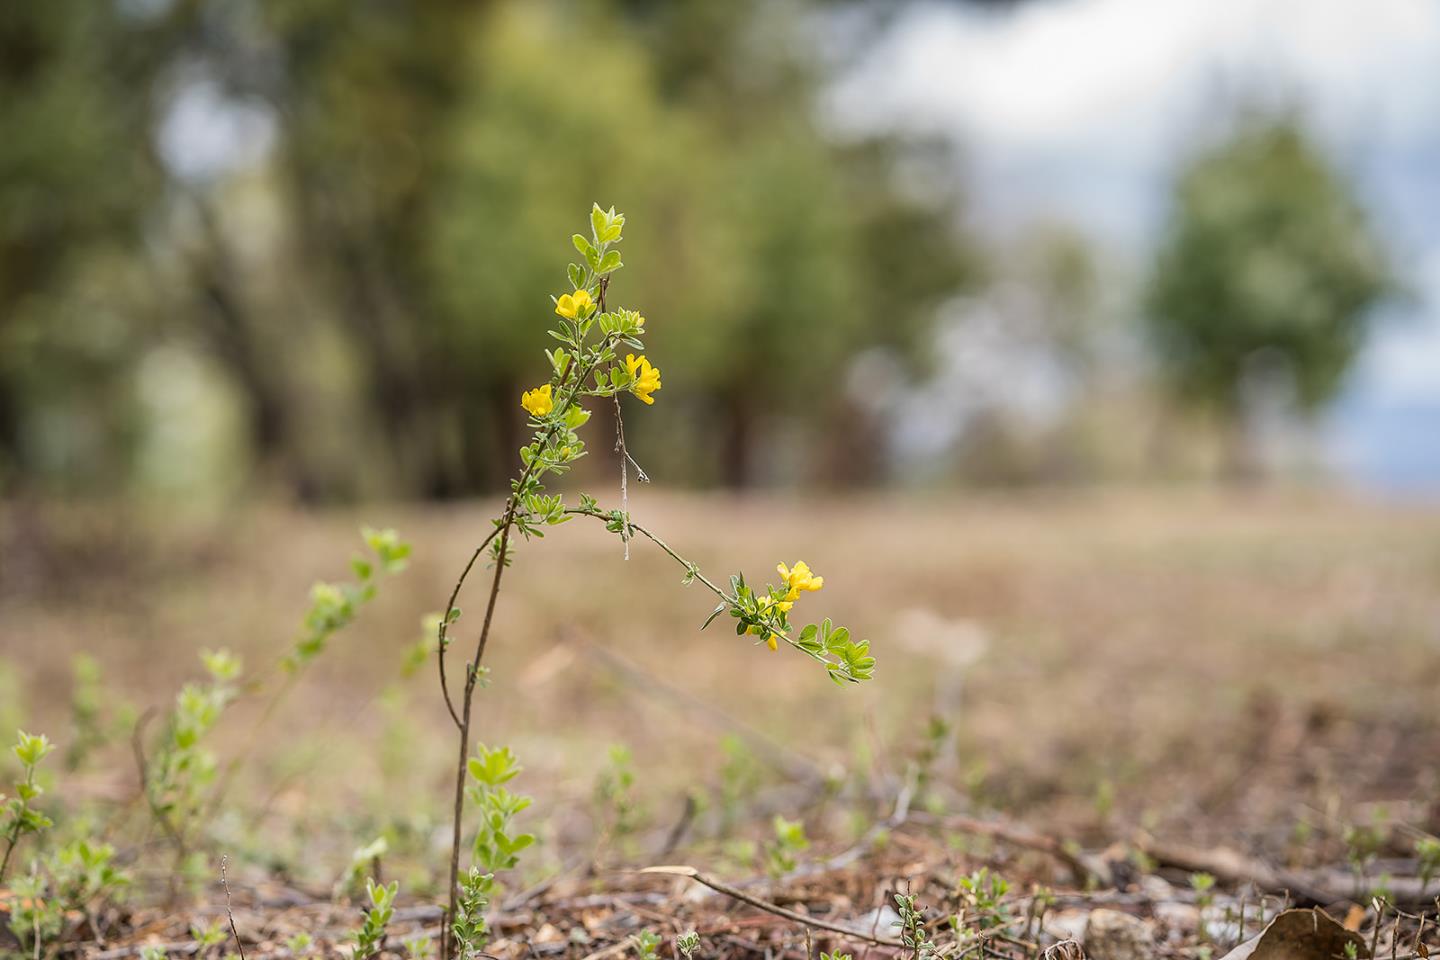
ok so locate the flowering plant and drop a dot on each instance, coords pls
(587, 365)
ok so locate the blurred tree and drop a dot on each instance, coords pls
(1268, 263)
(747, 225)
(363, 282)
(76, 172)
(364, 91)
(834, 246)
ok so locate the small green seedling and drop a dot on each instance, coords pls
(92, 728)
(419, 946)
(84, 874)
(984, 893)
(790, 840)
(618, 807)
(1362, 845)
(334, 606)
(496, 846)
(182, 769)
(687, 944)
(18, 816)
(364, 862)
(209, 936)
(35, 918)
(913, 932)
(370, 938)
(647, 943)
(1203, 884)
(469, 931)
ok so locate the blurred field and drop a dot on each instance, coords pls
(1206, 668)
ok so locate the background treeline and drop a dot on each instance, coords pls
(302, 247)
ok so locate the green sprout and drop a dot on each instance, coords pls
(647, 943)
(790, 841)
(370, 938)
(18, 816)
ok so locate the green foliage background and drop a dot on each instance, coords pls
(353, 313)
(360, 311)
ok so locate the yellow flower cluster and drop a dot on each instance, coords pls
(796, 579)
(799, 578)
(646, 377)
(538, 401)
(572, 305)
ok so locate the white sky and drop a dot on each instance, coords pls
(1081, 108)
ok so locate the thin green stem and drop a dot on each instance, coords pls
(445, 624)
(691, 568)
(13, 837)
(463, 720)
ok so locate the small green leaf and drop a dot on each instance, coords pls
(719, 609)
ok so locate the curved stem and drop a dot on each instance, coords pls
(445, 625)
(693, 569)
(472, 677)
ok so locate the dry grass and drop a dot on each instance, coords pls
(1206, 669)
(1164, 649)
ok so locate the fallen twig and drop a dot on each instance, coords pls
(1084, 867)
(735, 893)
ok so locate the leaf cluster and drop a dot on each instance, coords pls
(790, 840)
(983, 895)
(18, 815)
(370, 938)
(334, 606)
(496, 847)
(470, 930)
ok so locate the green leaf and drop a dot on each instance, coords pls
(719, 609)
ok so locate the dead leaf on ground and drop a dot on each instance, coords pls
(1300, 935)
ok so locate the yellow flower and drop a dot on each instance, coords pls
(773, 642)
(538, 401)
(646, 377)
(799, 577)
(783, 606)
(572, 305)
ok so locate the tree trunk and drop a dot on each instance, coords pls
(234, 341)
(737, 447)
(852, 448)
(1240, 464)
